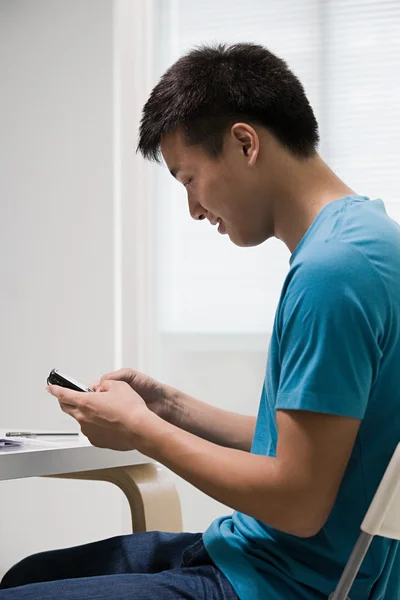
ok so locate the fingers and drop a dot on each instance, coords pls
(71, 402)
(109, 384)
(97, 385)
(67, 396)
(71, 411)
(126, 375)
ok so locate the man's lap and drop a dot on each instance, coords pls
(137, 567)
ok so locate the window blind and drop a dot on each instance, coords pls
(347, 55)
(362, 96)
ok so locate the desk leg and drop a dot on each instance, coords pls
(152, 496)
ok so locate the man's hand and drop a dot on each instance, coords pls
(154, 393)
(108, 416)
(222, 427)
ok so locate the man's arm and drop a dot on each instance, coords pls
(208, 422)
(293, 492)
(221, 427)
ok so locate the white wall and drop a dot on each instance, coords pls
(77, 249)
(56, 248)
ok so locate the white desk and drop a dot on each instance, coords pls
(145, 483)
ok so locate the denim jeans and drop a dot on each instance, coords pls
(141, 566)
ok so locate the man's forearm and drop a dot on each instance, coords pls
(222, 427)
(250, 483)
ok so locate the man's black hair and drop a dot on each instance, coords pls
(209, 89)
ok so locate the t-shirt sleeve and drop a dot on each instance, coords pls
(329, 325)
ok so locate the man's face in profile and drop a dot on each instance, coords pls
(223, 189)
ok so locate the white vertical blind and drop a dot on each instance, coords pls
(362, 96)
(347, 55)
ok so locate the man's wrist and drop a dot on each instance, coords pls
(173, 406)
(147, 429)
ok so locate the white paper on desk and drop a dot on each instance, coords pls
(7, 443)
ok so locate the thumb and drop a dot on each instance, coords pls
(106, 385)
(126, 375)
(109, 385)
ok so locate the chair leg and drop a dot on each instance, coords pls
(152, 496)
(353, 564)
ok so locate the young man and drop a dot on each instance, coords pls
(234, 126)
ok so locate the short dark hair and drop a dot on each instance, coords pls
(212, 87)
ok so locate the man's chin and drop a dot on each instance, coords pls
(245, 242)
(241, 243)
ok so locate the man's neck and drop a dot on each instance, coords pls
(310, 185)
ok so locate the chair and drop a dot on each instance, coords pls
(382, 518)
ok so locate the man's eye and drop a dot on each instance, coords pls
(188, 181)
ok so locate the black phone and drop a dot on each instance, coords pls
(57, 378)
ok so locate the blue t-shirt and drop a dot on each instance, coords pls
(335, 348)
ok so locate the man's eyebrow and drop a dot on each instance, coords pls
(174, 172)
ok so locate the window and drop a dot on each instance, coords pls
(347, 55)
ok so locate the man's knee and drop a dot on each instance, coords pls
(24, 572)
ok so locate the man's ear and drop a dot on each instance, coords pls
(248, 140)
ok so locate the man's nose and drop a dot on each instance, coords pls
(197, 212)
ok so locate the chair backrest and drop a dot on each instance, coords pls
(382, 518)
(383, 515)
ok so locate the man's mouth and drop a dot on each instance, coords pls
(221, 227)
(219, 223)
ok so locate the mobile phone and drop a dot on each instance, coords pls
(57, 378)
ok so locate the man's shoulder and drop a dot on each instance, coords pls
(334, 276)
(332, 263)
